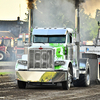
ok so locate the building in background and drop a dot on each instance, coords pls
(14, 27)
(6, 34)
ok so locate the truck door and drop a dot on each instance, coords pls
(70, 46)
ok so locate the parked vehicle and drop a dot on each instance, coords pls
(19, 48)
(7, 48)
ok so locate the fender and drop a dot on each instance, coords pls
(83, 65)
(67, 63)
(19, 66)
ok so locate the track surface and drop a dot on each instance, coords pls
(10, 91)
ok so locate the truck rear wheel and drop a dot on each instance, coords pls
(21, 84)
(2, 56)
(84, 80)
(76, 83)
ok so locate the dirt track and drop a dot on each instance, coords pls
(9, 91)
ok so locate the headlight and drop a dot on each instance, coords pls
(58, 63)
(22, 62)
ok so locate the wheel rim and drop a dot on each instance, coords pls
(1, 56)
(69, 79)
(88, 79)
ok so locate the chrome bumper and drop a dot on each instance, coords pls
(41, 76)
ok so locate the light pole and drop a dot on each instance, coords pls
(19, 23)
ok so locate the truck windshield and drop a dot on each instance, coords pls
(49, 39)
(20, 42)
(7, 42)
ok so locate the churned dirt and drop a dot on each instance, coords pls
(10, 91)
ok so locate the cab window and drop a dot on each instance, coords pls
(69, 38)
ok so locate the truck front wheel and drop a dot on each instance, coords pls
(21, 84)
(66, 84)
(2, 56)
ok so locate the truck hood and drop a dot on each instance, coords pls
(47, 45)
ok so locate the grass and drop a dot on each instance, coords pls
(6, 73)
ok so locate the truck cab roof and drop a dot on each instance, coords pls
(52, 31)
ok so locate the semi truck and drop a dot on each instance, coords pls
(19, 48)
(52, 59)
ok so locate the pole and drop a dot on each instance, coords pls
(77, 27)
(78, 33)
(20, 28)
(29, 31)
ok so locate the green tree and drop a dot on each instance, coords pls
(88, 26)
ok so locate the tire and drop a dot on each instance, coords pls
(21, 84)
(84, 80)
(7, 58)
(66, 84)
(2, 56)
(76, 83)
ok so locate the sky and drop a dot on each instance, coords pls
(11, 9)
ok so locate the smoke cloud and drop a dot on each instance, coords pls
(61, 13)
(54, 13)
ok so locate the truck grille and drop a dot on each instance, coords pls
(41, 58)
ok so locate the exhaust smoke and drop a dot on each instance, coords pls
(61, 13)
(30, 3)
(54, 13)
(76, 3)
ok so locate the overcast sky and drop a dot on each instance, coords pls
(11, 9)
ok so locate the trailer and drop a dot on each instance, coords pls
(94, 61)
(93, 53)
